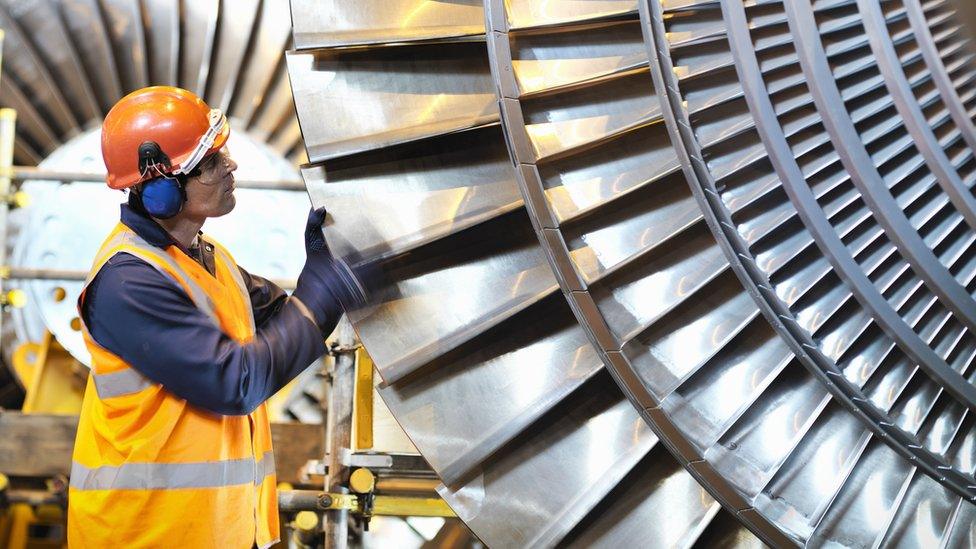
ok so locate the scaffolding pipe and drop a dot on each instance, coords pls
(73, 275)
(24, 173)
(339, 432)
(8, 123)
(295, 501)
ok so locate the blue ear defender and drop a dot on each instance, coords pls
(162, 197)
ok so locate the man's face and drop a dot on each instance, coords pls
(211, 194)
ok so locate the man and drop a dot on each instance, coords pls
(174, 444)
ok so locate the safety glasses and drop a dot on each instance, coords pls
(217, 121)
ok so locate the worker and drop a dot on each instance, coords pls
(174, 444)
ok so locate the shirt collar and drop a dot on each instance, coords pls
(147, 228)
(153, 233)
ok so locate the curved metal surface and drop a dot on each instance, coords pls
(868, 179)
(877, 23)
(546, 441)
(814, 218)
(661, 272)
(680, 186)
(697, 135)
(934, 53)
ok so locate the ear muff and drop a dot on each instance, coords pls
(162, 197)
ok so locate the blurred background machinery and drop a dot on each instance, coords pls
(677, 273)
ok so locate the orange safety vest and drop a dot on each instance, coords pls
(151, 470)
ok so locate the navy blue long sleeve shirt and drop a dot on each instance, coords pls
(135, 312)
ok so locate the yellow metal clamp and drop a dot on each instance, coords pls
(396, 506)
(53, 379)
(334, 502)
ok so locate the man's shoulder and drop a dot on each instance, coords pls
(123, 264)
(125, 270)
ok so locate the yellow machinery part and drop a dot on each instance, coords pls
(306, 521)
(363, 403)
(394, 506)
(23, 527)
(411, 507)
(54, 380)
(407, 485)
(362, 481)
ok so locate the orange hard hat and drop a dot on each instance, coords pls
(180, 124)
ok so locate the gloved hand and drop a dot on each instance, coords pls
(326, 282)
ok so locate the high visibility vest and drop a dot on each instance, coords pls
(151, 470)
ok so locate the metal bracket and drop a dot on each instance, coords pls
(370, 461)
(396, 506)
(336, 502)
(292, 501)
(335, 349)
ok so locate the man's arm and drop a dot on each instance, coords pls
(266, 296)
(143, 317)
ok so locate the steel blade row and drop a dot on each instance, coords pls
(755, 144)
(66, 62)
(483, 362)
(656, 381)
(754, 218)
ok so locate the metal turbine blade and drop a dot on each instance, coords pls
(755, 217)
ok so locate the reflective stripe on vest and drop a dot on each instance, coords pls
(171, 476)
(124, 382)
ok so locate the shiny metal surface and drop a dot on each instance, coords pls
(799, 342)
(384, 104)
(336, 23)
(198, 36)
(448, 304)
(591, 447)
(495, 381)
(33, 80)
(660, 271)
(123, 21)
(527, 13)
(439, 191)
(94, 49)
(231, 46)
(495, 375)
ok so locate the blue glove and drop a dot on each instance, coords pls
(326, 285)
